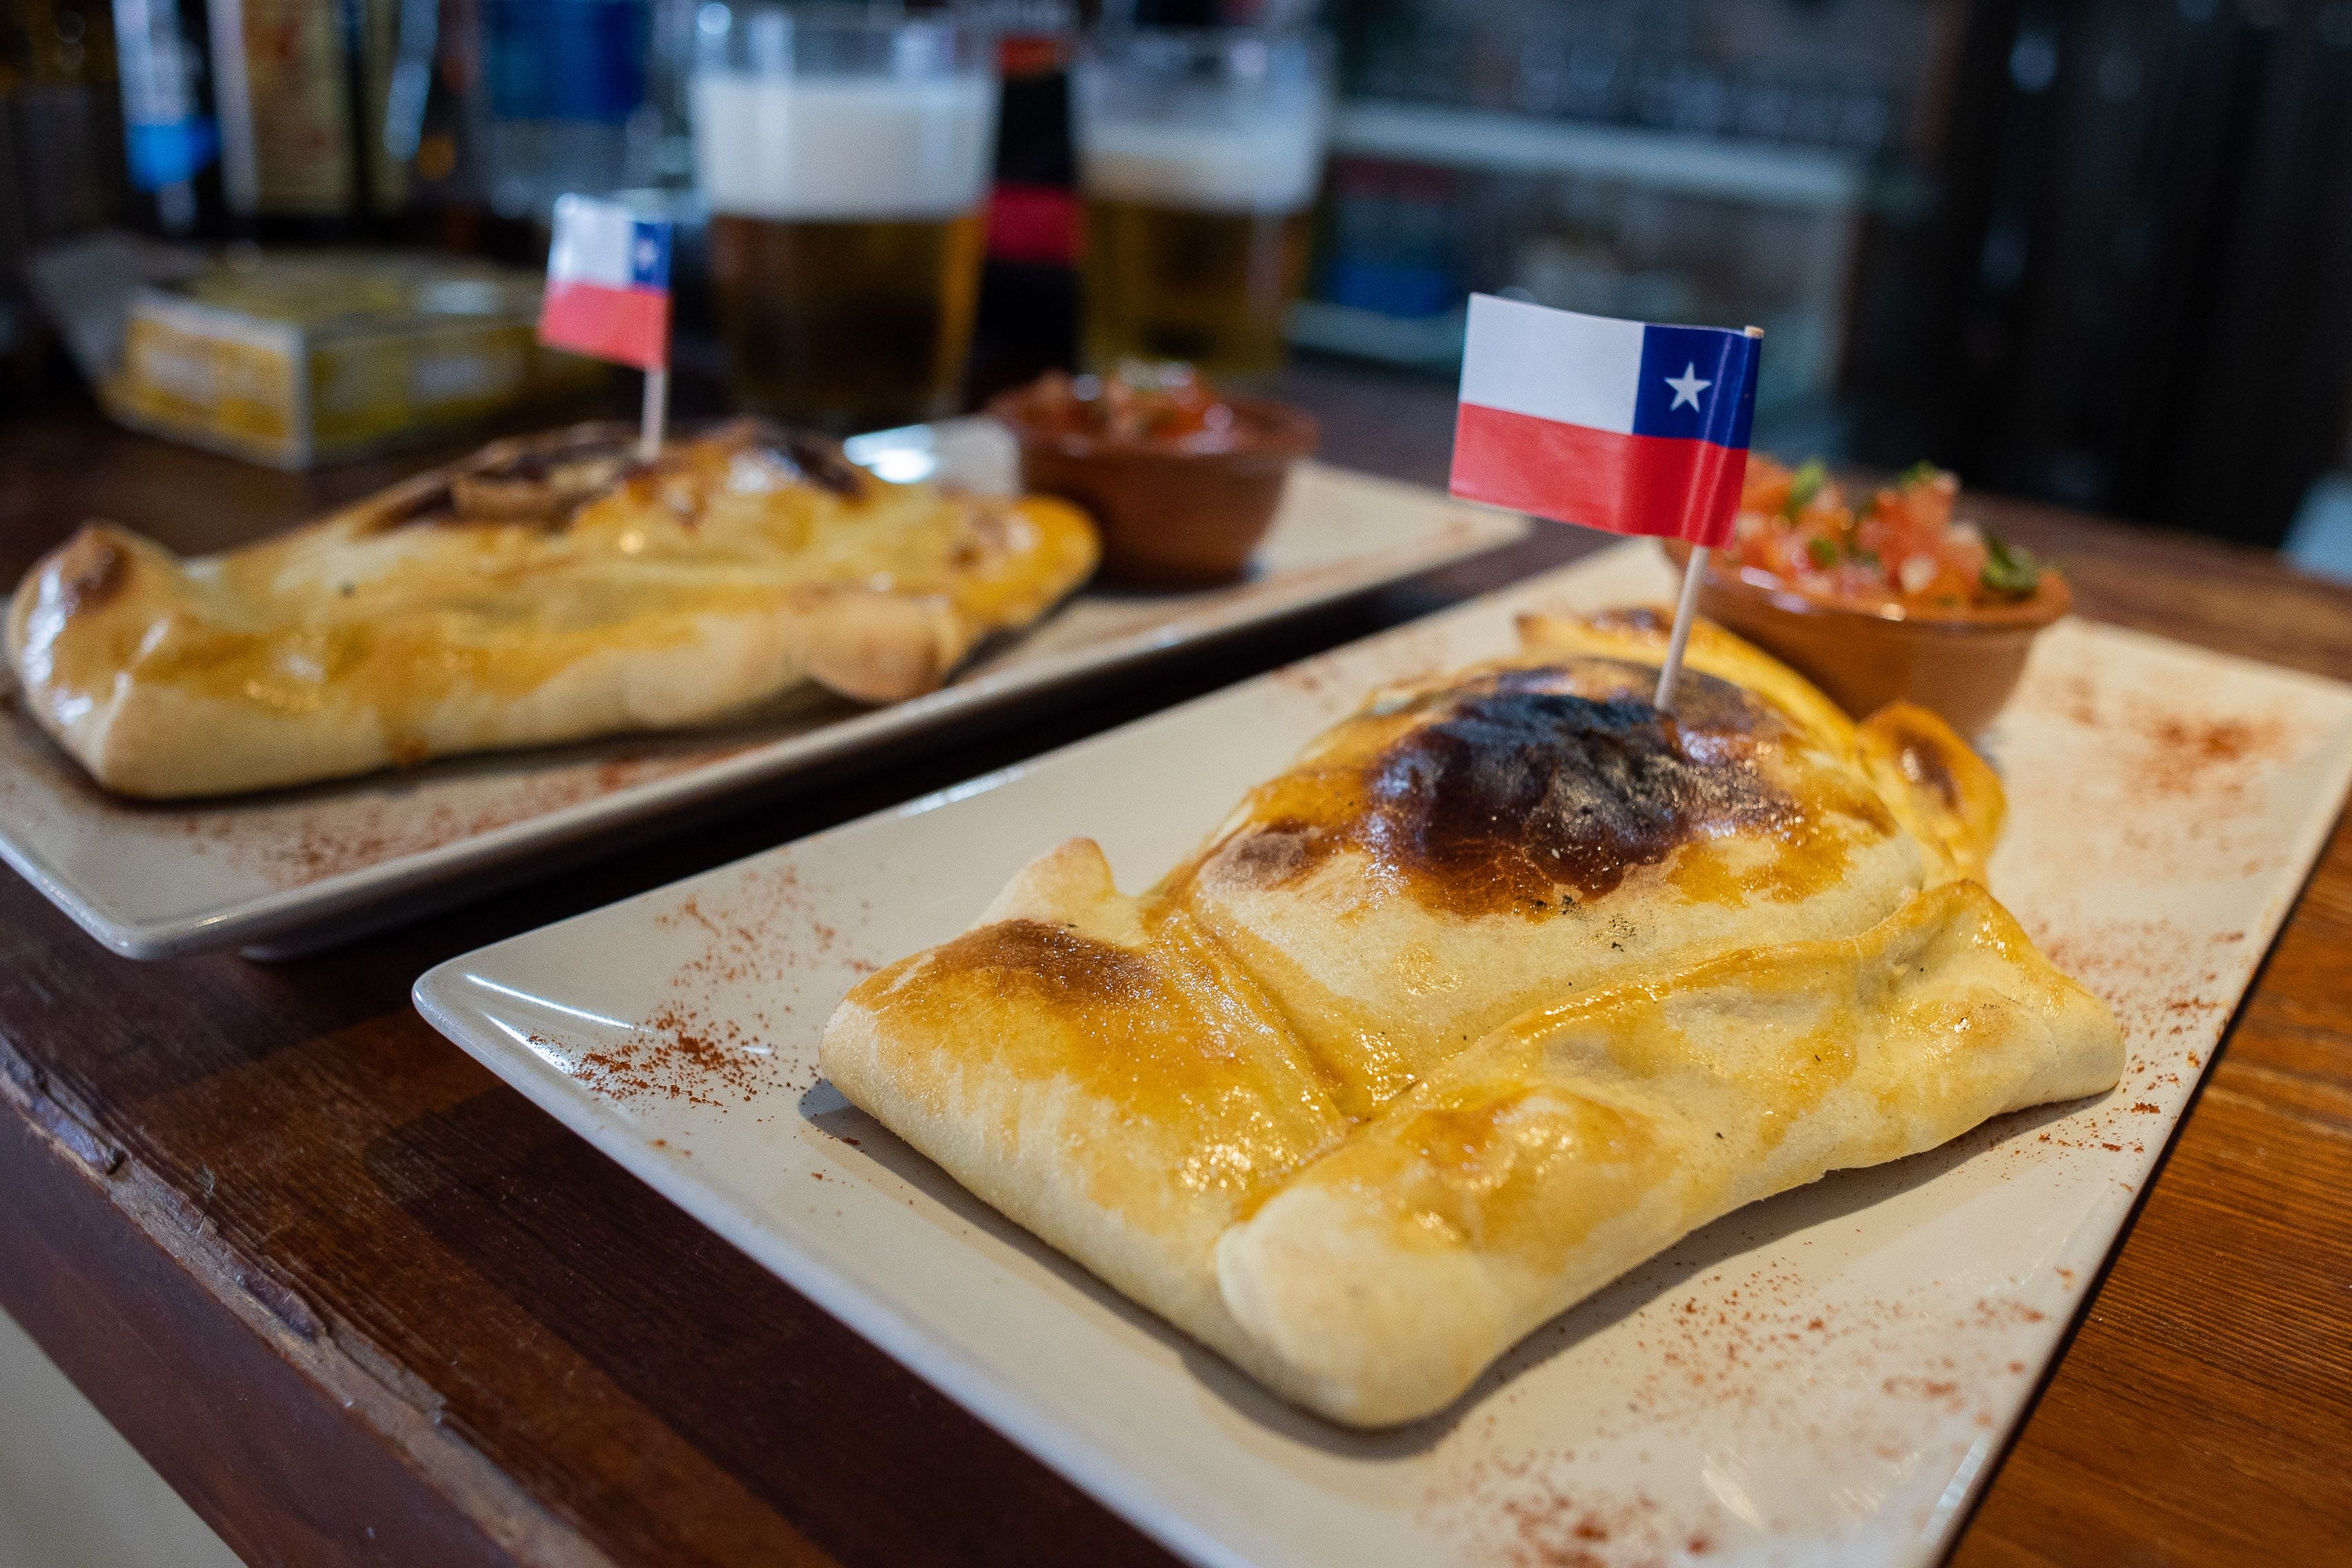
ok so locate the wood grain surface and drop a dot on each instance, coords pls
(362, 1304)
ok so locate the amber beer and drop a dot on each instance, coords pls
(848, 325)
(845, 194)
(1199, 153)
(1172, 282)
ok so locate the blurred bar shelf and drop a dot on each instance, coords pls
(1763, 172)
(1418, 342)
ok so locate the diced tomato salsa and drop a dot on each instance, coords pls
(1899, 547)
(1139, 402)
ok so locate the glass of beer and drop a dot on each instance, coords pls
(843, 155)
(1199, 154)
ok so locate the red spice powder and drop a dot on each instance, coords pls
(678, 1054)
(293, 843)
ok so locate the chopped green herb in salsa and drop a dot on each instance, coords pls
(1900, 546)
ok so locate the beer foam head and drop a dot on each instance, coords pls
(1267, 164)
(843, 147)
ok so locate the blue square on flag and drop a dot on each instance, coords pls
(1695, 385)
(649, 254)
(1623, 426)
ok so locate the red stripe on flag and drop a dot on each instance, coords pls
(631, 325)
(1663, 485)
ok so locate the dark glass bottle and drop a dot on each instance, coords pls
(1028, 304)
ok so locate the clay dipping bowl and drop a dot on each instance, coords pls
(1173, 514)
(1963, 662)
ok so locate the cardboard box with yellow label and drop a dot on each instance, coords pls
(298, 360)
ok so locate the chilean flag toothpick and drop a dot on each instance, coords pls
(608, 296)
(1614, 425)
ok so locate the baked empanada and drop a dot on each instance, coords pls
(1509, 982)
(547, 589)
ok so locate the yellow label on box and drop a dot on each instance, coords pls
(238, 389)
(299, 360)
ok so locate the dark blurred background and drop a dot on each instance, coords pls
(2097, 253)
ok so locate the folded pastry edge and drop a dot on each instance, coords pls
(1387, 1310)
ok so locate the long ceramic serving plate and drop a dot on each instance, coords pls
(1820, 1379)
(295, 870)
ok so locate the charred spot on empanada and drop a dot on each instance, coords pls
(812, 459)
(548, 481)
(543, 484)
(1528, 789)
(427, 503)
(1522, 790)
(821, 462)
(539, 480)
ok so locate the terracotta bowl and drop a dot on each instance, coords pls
(1171, 517)
(1963, 663)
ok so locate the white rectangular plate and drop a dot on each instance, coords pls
(297, 868)
(1817, 1379)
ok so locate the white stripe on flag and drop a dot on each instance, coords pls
(591, 244)
(1551, 364)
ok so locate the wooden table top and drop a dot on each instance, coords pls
(363, 1304)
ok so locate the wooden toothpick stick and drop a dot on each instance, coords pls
(1693, 570)
(655, 415)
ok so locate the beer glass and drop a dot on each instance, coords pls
(1199, 154)
(843, 155)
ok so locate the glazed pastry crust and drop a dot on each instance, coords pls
(1505, 986)
(1529, 1172)
(543, 590)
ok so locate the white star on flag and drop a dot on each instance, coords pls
(1687, 386)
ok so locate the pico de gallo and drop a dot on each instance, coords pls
(1165, 403)
(1899, 547)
